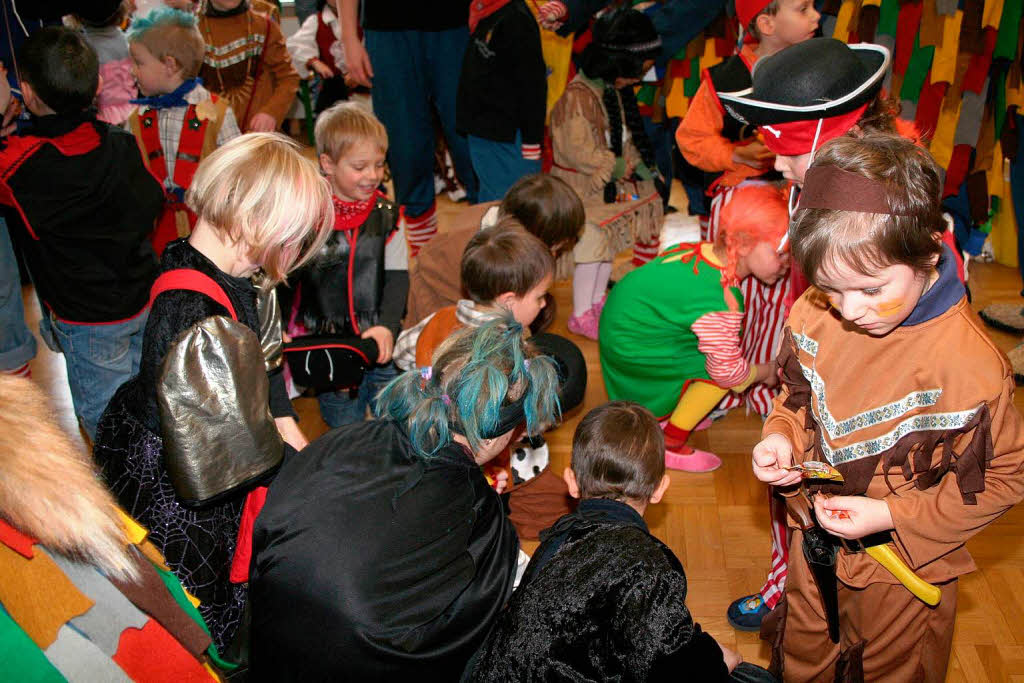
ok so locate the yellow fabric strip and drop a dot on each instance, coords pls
(944, 62)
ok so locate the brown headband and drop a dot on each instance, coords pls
(830, 187)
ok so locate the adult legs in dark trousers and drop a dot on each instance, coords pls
(413, 71)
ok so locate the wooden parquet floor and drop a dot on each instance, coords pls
(717, 523)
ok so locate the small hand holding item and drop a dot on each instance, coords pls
(551, 15)
(321, 69)
(771, 459)
(852, 517)
(262, 123)
(753, 154)
(385, 342)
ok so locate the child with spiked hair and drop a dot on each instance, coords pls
(929, 455)
(178, 122)
(426, 556)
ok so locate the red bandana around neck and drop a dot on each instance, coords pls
(479, 9)
(348, 215)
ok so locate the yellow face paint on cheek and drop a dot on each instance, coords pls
(890, 308)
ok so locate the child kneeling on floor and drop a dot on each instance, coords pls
(603, 599)
(889, 378)
(670, 332)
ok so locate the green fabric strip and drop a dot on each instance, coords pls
(917, 71)
(22, 660)
(888, 16)
(1009, 24)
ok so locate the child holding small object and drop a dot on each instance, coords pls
(602, 598)
(358, 284)
(670, 333)
(929, 455)
(316, 47)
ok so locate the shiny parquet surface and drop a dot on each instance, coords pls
(716, 522)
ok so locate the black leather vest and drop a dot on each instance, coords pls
(340, 291)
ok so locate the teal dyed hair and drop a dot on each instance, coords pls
(158, 18)
(476, 371)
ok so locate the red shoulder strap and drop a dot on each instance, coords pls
(193, 280)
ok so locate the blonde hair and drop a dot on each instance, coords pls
(345, 125)
(168, 32)
(260, 189)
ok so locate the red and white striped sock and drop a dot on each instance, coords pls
(705, 228)
(22, 371)
(645, 251)
(420, 229)
(775, 585)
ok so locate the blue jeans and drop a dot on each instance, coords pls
(338, 408)
(17, 345)
(100, 358)
(412, 72)
(499, 165)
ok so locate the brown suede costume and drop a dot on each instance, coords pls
(924, 419)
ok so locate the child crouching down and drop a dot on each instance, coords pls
(507, 269)
(874, 385)
(670, 333)
(602, 599)
(359, 281)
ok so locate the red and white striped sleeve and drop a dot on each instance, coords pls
(718, 338)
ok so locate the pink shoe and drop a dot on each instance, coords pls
(599, 306)
(690, 459)
(584, 325)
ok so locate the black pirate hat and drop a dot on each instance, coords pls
(819, 78)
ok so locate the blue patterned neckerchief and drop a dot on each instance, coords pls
(176, 98)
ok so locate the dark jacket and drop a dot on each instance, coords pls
(503, 87)
(82, 208)
(198, 544)
(346, 289)
(602, 600)
(373, 564)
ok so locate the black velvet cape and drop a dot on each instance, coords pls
(602, 600)
(373, 564)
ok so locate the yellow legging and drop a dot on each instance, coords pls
(697, 400)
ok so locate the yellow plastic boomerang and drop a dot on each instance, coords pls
(927, 593)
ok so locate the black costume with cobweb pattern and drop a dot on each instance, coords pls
(197, 544)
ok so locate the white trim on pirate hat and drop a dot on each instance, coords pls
(816, 79)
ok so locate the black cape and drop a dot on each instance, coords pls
(371, 563)
(602, 600)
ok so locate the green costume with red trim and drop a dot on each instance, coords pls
(648, 349)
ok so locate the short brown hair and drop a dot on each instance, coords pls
(548, 208)
(168, 32)
(771, 9)
(618, 452)
(867, 242)
(344, 125)
(503, 258)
